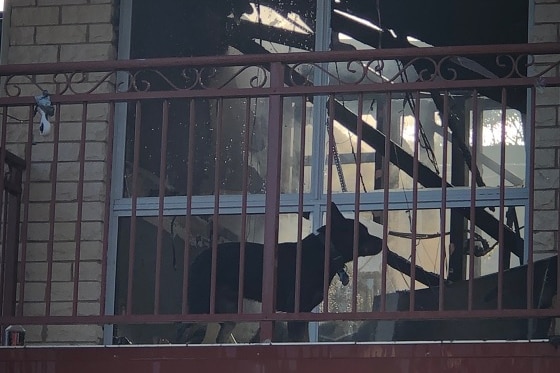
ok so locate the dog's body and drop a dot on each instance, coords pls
(312, 272)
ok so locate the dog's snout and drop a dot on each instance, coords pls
(371, 246)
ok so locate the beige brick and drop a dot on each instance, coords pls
(95, 131)
(64, 231)
(62, 291)
(74, 333)
(41, 171)
(97, 112)
(22, 36)
(34, 291)
(21, 3)
(89, 291)
(39, 192)
(70, 131)
(545, 220)
(547, 13)
(101, 33)
(66, 212)
(543, 241)
(547, 179)
(34, 309)
(64, 251)
(66, 191)
(547, 137)
(88, 308)
(36, 272)
(42, 152)
(61, 2)
(92, 231)
(62, 271)
(93, 211)
(17, 133)
(543, 33)
(35, 16)
(74, 113)
(66, 34)
(39, 211)
(71, 113)
(545, 158)
(96, 151)
(33, 54)
(36, 251)
(87, 52)
(95, 171)
(61, 308)
(98, 13)
(545, 200)
(546, 116)
(38, 231)
(68, 151)
(34, 334)
(90, 250)
(70, 171)
(94, 191)
(90, 271)
(66, 308)
(549, 96)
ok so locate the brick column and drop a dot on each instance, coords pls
(546, 28)
(62, 31)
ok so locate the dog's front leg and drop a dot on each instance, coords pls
(225, 332)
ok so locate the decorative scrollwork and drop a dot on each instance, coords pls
(257, 79)
(408, 69)
(13, 87)
(194, 78)
(301, 74)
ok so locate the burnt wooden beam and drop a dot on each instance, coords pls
(426, 177)
(403, 265)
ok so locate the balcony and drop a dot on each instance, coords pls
(441, 153)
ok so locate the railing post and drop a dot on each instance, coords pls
(271, 218)
(12, 191)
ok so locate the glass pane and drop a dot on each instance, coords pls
(181, 29)
(297, 143)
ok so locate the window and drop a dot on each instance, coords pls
(229, 140)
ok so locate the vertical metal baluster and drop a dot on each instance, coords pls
(79, 217)
(161, 201)
(134, 201)
(386, 169)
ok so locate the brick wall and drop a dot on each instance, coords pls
(546, 28)
(61, 31)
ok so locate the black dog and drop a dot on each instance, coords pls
(312, 266)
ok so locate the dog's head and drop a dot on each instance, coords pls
(342, 237)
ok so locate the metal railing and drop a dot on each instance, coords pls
(168, 158)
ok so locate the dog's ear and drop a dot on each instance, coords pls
(336, 215)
